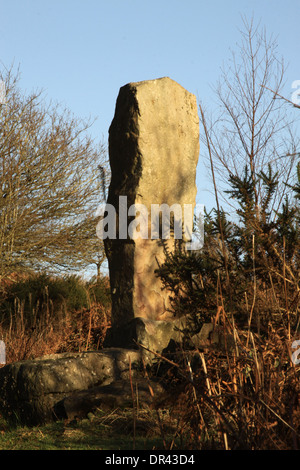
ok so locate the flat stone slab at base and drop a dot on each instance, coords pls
(72, 384)
(108, 397)
(30, 389)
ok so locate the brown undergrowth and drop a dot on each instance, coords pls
(245, 395)
(50, 327)
(78, 331)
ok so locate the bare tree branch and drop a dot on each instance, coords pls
(49, 186)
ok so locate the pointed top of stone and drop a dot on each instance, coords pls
(161, 83)
(155, 80)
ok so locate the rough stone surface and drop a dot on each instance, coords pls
(153, 335)
(211, 336)
(70, 385)
(118, 394)
(153, 150)
(30, 389)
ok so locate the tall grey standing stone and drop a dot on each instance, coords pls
(153, 151)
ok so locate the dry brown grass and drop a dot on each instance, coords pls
(73, 331)
(50, 327)
(244, 396)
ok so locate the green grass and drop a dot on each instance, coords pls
(116, 430)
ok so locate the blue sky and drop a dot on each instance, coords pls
(82, 51)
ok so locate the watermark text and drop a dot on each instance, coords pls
(296, 354)
(296, 94)
(2, 92)
(177, 221)
(2, 353)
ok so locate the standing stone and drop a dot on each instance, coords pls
(153, 151)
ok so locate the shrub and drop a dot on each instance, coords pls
(44, 315)
(41, 295)
(249, 267)
(99, 291)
